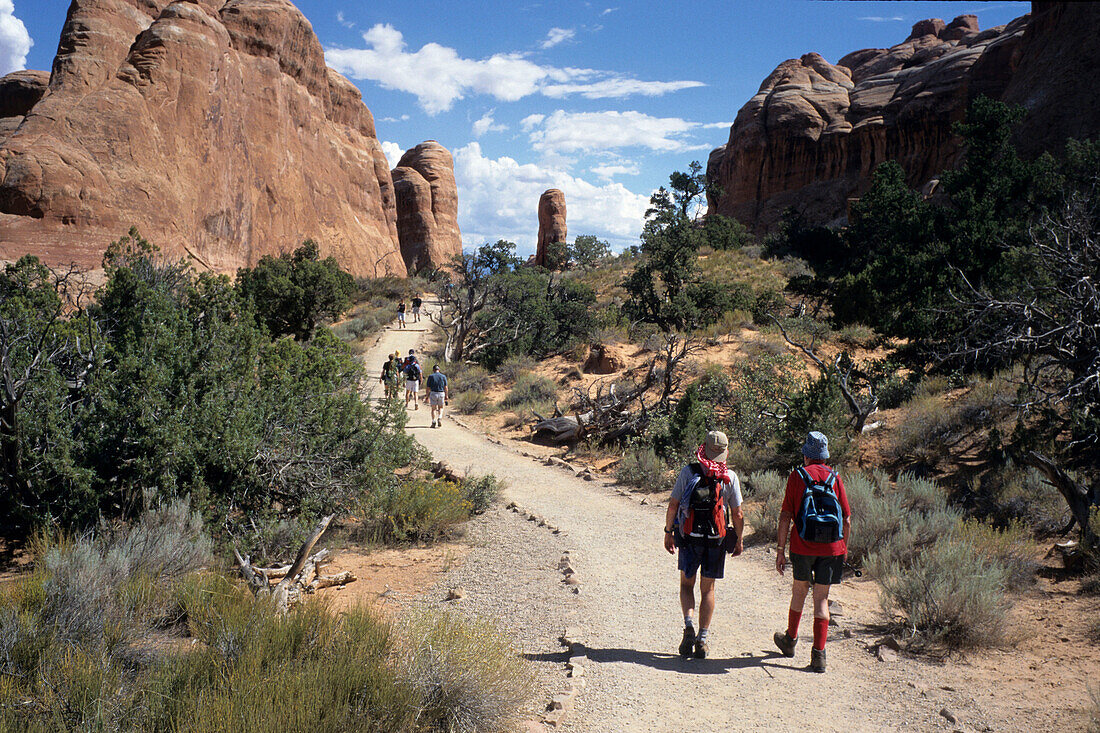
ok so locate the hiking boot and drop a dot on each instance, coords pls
(701, 649)
(785, 643)
(817, 660)
(688, 642)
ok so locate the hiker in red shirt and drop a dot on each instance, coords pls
(818, 507)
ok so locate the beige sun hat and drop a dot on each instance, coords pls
(717, 446)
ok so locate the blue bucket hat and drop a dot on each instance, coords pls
(816, 447)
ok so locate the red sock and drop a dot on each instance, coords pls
(793, 617)
(821, 632)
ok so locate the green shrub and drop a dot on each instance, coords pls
(1011, 547)
(767, 487)
(642, 468)
(418, 510)
(949, 593)
(469, 403)
(482, 491)
(530, 389)
(767, 304)
(467, 676)
(855, 334)
(513, 367)
(467, 378)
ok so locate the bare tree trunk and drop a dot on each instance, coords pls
(1077, 496)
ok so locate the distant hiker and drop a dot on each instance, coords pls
(391, 374)
(704, 520)
(412, 372)
(416, 303)
(818, 505)
(401, 314)
(438, 394)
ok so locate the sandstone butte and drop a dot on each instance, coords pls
(427, 206)
(214, 127)
(814, 133)
(551, 222)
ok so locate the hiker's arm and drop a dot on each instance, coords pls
(847, 532)
(737, 516)
(781, 542)
(670, 525)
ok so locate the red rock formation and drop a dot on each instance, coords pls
(19, 91)
(551, 222)
(427, 206)
(813, 134)
(215, 127)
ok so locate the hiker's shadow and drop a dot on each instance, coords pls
(661, 660)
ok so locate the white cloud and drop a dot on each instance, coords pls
(438, 76)
(556, 36)
(402, 118)
(498, 199)
(531, 121)
(588, 132)
(881, 19)
(487, 124)
(393, 152)
(618, 88)
(608, 171)
(608, 11)
(342, 20)
(15, 41)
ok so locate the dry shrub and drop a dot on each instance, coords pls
(768, 487)
(642, 468)
(468, 678)
(1093, 711)
(530, 389)
(482, 491)
(949, 593)
(513, 367)
(856, 335)
(469, 403)
(1012, 547)
(468, 378)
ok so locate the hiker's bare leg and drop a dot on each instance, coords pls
(799, 590)
(706, 602)
(821, 601)
(687, 594)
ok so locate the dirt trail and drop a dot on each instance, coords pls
(630, 619)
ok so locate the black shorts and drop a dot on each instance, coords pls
(819, 570)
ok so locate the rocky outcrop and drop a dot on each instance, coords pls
(214, 127)
(19, 91)
(551, 222)
(427, 206)
(814, 133)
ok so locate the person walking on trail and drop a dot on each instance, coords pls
(412, 372)
(401, 314)
(817, 505)
(704, 520)
(391, 373)
(416, 303)
(438, 394)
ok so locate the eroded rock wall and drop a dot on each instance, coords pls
(814, 133)
(427, 206)
(214, 127)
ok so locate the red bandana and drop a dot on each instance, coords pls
(714, 469)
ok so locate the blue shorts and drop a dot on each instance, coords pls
(711, 559)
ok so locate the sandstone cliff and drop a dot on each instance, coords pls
(814, 133)
(427, 206)
(215, 127)
(552, 225)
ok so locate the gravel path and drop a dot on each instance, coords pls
(629, 616)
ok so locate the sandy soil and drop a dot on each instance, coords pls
(628, 612)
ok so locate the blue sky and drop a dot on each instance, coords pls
(600, 99)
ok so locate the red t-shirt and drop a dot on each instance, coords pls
(792, 501)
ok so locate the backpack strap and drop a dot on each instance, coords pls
(805, 477)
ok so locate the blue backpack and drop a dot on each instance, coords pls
(820, 518)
